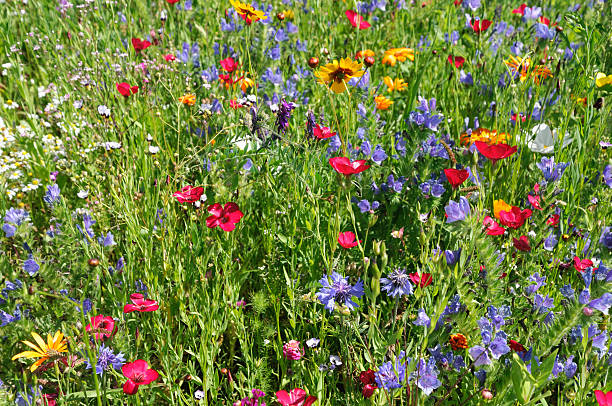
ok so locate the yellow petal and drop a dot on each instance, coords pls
(338, 87)
(35, 365)
(40, 342)
(27, 354)
(35, 348)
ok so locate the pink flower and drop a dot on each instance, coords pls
(322, 132)
(138, 373)
(297, 397)
(169, 57)
(582, 264)
(225, 217)
(292, 350)
(480, 25)
(347, 239)
(140, 45)
(535, 201)
(458, 61)
(102, 326)
(522, 244)
(356, 20)
(492, 227)
(229, 64)
(368, 390)
(422, 280)
(344, 165)
(495, 152)
(140, 304)
(189, 194)
(603, 398)
(125, 89)
(515, 217)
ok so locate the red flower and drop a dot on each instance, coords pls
(347, 239)
(495, 152)
(137, 373)
(322, 132)
(492, 227)
(515, 217)
(189, 194)
(520, 10)
(297, 397)
(553, 220)
(140, 304)
(344, 165)
(169, 57)
(456, 176)
(516, 346)
(367, 377)
(49, 399)
(102, 326)
(479, 26)
(235, 105)
(423, 280)
(125, 89)
(225, 217)
(582, 264)
(522, 244)
(544, 20)
(140, 45)
(356, 20)
(229, 65)
(535, 201)
(368, 390)
(457, 2)
(172, 1)
(603, 399)
(458, 61)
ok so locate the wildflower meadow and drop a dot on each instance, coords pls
(305, 202)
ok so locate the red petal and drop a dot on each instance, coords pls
(130, 388)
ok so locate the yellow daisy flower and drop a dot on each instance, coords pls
(51, 349)
(247, 12)
(339, 73)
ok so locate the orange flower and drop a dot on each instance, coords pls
(189, 99)
(500, 205)
(364, 54)
(484, 135)
(382, 103)
(397, 84)
(458, 341)
(397, 54)
(523, 67)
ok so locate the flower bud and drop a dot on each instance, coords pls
(368, 390)
(587, 311)
(280, 16)
(369, 61)
(93, 262)
(313, 62)
(486, 394)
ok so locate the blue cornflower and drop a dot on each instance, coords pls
(107, 359)
(7, 318)
(379, 155)
(433, 186)
(339, 291)
(499, 346)
(457, 211)
(392, 184)
(365, 206)
(480, 355)
(53, 195)
(426, 376)
(552, 171)
(390, 376)
(397, 283)
(544, 32)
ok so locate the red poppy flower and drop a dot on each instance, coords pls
(515, 217)
(297, 397)
(356, 20)
(603, 398)
(322, 132)
(225, 217)
(423, 280)
(495, 152)
(516, 346)
(367, 377)
(522, 244)
(456, 176)
(140, 304)
(140, 45)
(102, 327)
(172, 1)
(344, 165)
(347, 239)
(492, 227)
(125, 89)
(520, 10)
(480, 25)
(582, 264)
(553, 220)
(189, 194)
(458, 61)
(138, 373)
(368, 390)
(169, 57)
(229, 64)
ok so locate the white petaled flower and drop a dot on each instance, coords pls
(104, 111)
(153, 150)
(543, 139)
(83, 194)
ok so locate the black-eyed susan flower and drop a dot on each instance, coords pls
(51, 349)
(247, 12)
(395, 84)
(338, 73)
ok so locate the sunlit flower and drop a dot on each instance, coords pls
(382, 103)
(356, 20)
(395, 84)
(484, 135)
(226, 217)
(101, 327)
(523, 68)
(138, 373)
(51, 349)
(397, 54)
(188, 99)
(247, 12)
(364, 54)
(543, 140)
(339, 73)
(499, 205)
(601, 80)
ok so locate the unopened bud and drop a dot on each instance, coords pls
(369, 61)
(587, 311)
(486, 394)
(313, 62)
